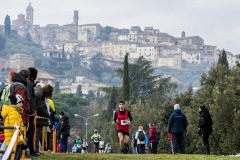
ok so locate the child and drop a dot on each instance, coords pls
(11, 115)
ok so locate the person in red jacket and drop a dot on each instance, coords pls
(123, 118)
(153, 138)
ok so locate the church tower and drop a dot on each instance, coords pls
(75, 17)
(29, 15)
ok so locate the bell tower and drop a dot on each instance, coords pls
(29, 15)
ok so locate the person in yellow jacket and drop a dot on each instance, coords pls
(11, 115)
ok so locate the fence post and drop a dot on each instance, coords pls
(24, 137)
(43, 138)
(34, 133)
(54, 143)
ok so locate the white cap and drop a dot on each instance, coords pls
(176, 106)
(19, 98)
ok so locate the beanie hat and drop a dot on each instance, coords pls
(176, 106)
(12, 72)
(33, 71)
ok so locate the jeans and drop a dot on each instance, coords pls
(38, 137)
(63, 143)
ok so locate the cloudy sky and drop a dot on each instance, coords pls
(216, 21)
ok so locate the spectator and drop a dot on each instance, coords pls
(64, 132)
(152, 138)
(140, 137)
(177, 125)
(205, 126)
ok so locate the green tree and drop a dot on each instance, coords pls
(223, 59)
(126, 86)
(56, 88)
(2, 86)
(79, 91)
(7, 25)
(112, 103)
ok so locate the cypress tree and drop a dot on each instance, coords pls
(56, 88)
(126, 85)
(223, 59)
(79, 91)
(112, 103)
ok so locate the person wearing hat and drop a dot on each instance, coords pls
(64, 132)
(177, 125)
(205, 126)
(96, 138)
(123, 118)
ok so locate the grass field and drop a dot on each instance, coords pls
(91, 156)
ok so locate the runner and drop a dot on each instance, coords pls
(123, 118)
(96, 138)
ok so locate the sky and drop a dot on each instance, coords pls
(216, 21)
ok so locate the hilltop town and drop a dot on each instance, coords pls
(65, 43)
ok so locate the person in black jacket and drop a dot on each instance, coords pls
(205, 126)
(177, 125)
(64, 132)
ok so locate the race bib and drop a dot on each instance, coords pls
(124, 122)
(78, 145)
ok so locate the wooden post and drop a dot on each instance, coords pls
(24, 137)
(54, 142)
(43, 138)
(34, 133)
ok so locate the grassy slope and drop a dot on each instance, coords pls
(90, 156)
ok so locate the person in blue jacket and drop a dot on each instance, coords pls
(177, 125)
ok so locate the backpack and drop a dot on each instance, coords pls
(141, 136)
(5, 95)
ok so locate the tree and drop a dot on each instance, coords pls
(223, 59)
(28, 37)
(79, 91)
(126, 86)
(141, 78)
(56, 88)
(7, 25)
(112, 103)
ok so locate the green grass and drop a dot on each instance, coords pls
(91, 156)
